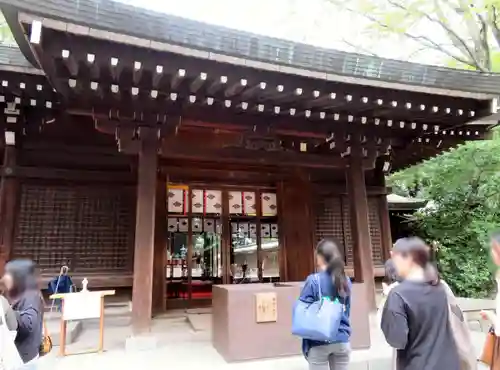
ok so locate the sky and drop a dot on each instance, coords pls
(314, 22)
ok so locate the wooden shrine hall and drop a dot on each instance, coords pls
(165, 155)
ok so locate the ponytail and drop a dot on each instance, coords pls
(335, 265)
(431, 274)
(336, 271)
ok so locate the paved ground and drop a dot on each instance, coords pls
(180, 346)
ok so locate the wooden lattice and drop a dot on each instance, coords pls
(88, 227)
(329, 222)
(346, 222)
(375, 230)
(333, 220)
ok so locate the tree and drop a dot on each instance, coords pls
(6, 36)
(461, 184)
(462, 187)
(464, 32)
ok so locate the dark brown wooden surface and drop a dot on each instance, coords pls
(9, 191)
(333, 221)
(144, 235)
(362, 251)
(160, 253)
(296, 232)
(88, 227)
(415, 125)
(383, 210)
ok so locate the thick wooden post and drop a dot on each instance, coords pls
(383, 209)
(362, 248)
(160, 254)
(144, 234)
(296, 234)
(385, 227)
(8, 205)
(226, 239)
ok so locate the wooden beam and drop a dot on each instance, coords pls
(142, 302)
(63, 159)
(226, 239)
(358, 200)
(217, 117)
(243, 156)
(354, 97)
(328, 189)
(9, 192)
(383, 210)
(49, 173)
(385, 228)
(70, 62)
(282, 230)
(296, 233)
(85, 148)
(159, 282)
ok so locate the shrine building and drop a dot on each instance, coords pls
(164, 156)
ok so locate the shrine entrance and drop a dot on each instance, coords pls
(218, 236)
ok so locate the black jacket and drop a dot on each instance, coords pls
(28, 307)
(415, 322)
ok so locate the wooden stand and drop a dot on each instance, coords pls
(82, 306)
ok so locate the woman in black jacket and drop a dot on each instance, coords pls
(415, 317)
(27, 303)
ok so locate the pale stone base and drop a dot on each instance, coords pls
(141, 343)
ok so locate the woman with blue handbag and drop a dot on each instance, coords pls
(321, 315)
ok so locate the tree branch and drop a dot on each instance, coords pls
(361, 49)
(484, 41)
(495, 23)
(452, 34)
(421, 39)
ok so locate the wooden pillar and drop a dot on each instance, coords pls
(383, 210)
(160, 253)
(295, 229)
(362, 248)
(144, 233)
(226, 239)
(258, 234)
(8, 205)
(280, 193)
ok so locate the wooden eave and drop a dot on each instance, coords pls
(137, 26)
(123, 86)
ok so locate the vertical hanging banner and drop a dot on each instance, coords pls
(269, 204)
(176, 198)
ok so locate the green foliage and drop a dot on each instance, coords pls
(465, 31)
(495, 63)
(463, 186)
(6, 36)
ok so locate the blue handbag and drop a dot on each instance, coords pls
(319, 321)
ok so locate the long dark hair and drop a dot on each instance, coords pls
(335, 266)
(418, 250)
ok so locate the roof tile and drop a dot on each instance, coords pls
(135, 21)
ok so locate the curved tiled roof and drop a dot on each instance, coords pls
(12, 56)
(135, 21)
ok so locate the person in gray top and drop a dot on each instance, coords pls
(27, 304)
(415, 317)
